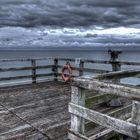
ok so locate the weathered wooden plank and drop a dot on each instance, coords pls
(76, 135)
(114, 56)
(107, 134)
(33, 71)
(93, 129)
(44, 67)
(15, 69)
(59, 130)
(101, 134)
(12, 127)
(136, 116)
(77, 122)
(81, 67)
(26, 59)
(55, 69)
(72, 60)
(15, 78)
(122, 113)
(95, 70)
(130, 63)
(43, 105)
(88, 69)
(35, 96)
(17, 59)
(24, 77)
(120, 126)
(111, 62)
(24, 68)
(108, 88)
(44, 75)
(65, 59)
(119, 74)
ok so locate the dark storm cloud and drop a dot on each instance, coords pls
(69, 12)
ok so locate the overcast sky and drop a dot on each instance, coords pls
(56, 23)
(70, 13)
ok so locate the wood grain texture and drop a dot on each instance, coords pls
(42, 106)
(104, 120)
(108, 88)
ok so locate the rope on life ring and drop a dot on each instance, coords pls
(66, 66)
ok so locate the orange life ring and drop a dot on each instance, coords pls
(64, 67)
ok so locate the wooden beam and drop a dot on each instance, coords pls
(44, 75)
(77, 122)
(81, 68)
(24, 77)
(102, 134)
(88, 70)
(72, 59)
(55, 69)
(26, 59)
(119, 74)
(76, 135)
(110, 62)
(108, 88)
(15, 69)
(120, 113)
(33, 71)
(115, 66)
(24, 68)
(136, 116)
(117, 125)
(15, 77)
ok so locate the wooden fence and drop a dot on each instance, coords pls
(104, 86)
(53, 68)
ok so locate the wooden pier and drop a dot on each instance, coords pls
(34, 103)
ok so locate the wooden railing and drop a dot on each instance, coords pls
(53, 69)
(106, 89)
(33, 68)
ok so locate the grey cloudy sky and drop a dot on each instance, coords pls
(70, 13)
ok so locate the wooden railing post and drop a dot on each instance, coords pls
(55, 69)
(77, 123)
(81, 66)
(115, 65)
(33, 61)
(136, 116)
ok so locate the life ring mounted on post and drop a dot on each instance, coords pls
(66, 66)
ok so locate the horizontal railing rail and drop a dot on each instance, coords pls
(73, 60)
(24, 68)
(120, 74)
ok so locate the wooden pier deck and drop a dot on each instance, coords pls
(34, 112)
(39, 111)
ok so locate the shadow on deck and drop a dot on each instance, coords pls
(35, 112)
